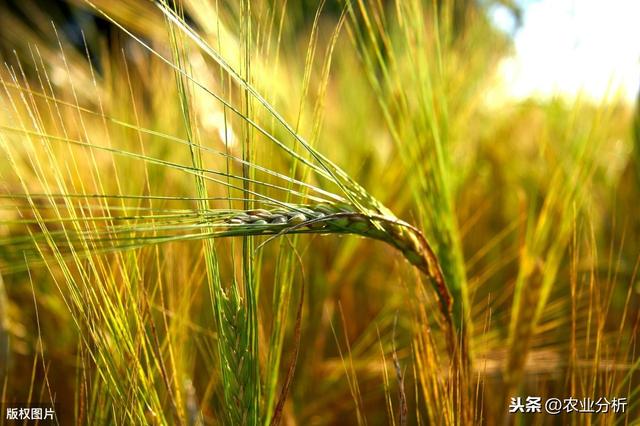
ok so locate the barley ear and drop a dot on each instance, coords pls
(341, 218)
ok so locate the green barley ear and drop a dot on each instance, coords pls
(343, 218)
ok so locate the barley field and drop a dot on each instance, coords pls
(307, 213)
